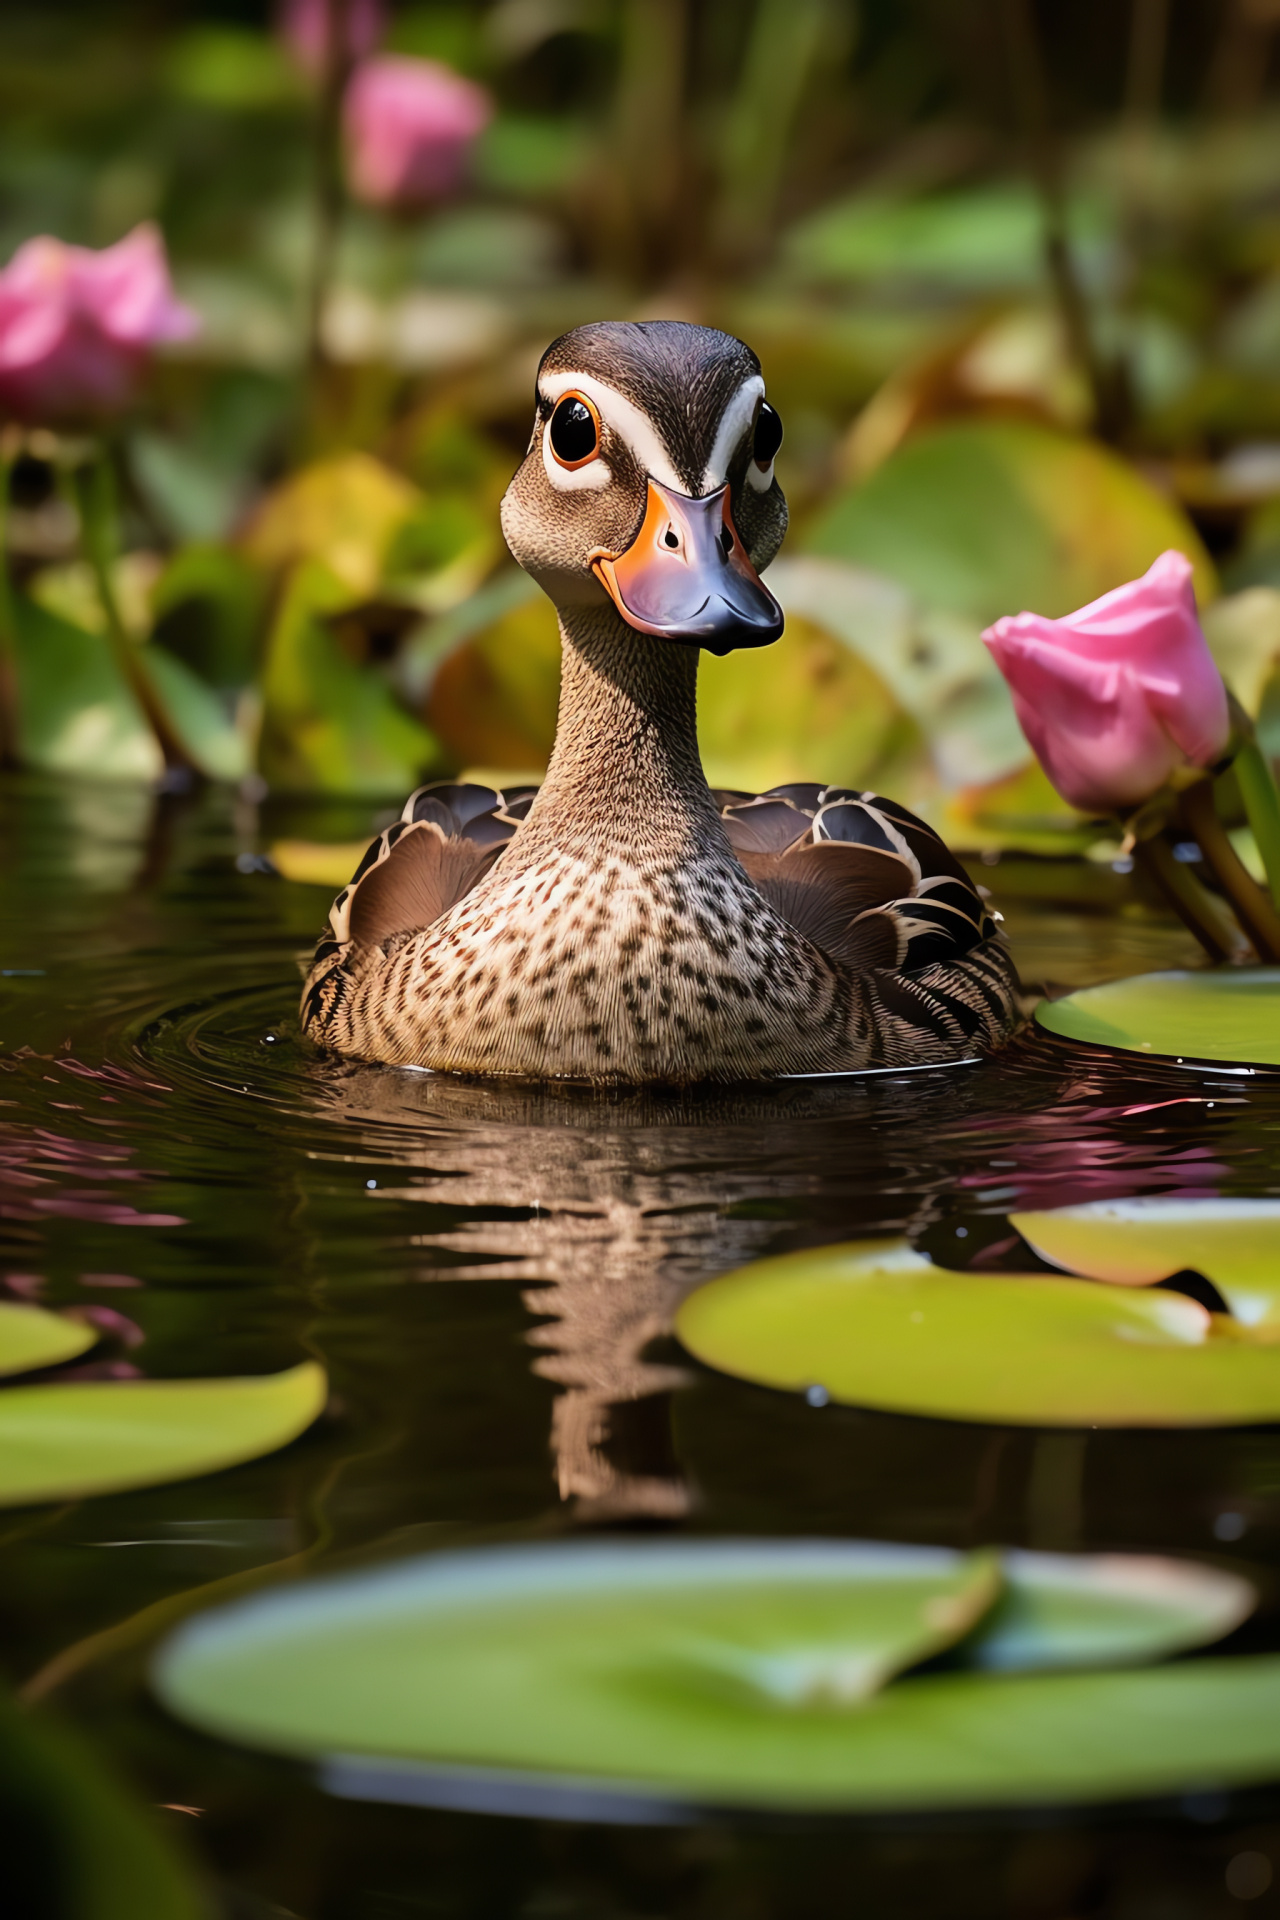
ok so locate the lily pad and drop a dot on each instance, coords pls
(709, 1670)
(875, 1325)
(68, 1441)
(30, 1337)
(1104, 1609)
(1230, 1014)
(1234, 1243)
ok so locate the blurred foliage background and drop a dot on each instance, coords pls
(1012, 268)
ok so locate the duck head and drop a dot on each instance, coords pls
(649, 482)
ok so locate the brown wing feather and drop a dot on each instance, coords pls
(823, 889)
(421, 877)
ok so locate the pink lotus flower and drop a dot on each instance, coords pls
(304, 26)
(77, 327)
(410, 124)
(1119, 696)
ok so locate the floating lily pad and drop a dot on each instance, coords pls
(1234, 1243)
(1220, 1014)
(711, 1670)
(65, 1442)
(875, 1325)
(1104, 1609)
(30, 1337)
(318, 863)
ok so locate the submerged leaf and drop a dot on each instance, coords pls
(1220, 1014)
(30, 1337)
(876, 1325)
(1132, 1243)
(68, 1441)
(722, 1670)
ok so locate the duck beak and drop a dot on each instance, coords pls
(686, 576)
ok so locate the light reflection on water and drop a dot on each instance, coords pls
(490, 1274)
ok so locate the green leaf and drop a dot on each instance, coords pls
(1104, 1609)
(75, 713)
(66, 1442)
(712, 1670)
(986, 237)
(1218, 1014)
(996, 516)
(30, 1337)
(875, 1325)
(932, 661)
(204, 726)
(76, 1844)
(1132, 1243)
(329, 725)
(345, 511)
(806, 708)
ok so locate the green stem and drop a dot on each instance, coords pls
(9, 756)
(1262, 806)
(101, 543)
(1193, 904)
(1252, 906)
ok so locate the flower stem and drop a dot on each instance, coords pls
(8, 623)
(1253, 908)
(1193, 904)
(1262, 805)
(100, 537)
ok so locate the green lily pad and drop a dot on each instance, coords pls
(1228, 1013)
(30, 1337)
(68, 1441)
(1104, 1609)
(1234, 1243)
(874, 1324)
(712, 1670)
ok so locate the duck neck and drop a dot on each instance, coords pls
(625, 767)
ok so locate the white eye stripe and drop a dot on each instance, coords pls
(620, 416)
(734, 421)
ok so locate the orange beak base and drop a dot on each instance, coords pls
(686, 576)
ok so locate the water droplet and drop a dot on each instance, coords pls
(817, 1396)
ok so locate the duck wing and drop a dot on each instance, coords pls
(864, 879)
(446, 839)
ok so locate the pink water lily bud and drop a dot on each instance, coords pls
(305, 27)
(410, 124)
(77, 327)
(1119, 696)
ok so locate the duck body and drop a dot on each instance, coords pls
(622, 922)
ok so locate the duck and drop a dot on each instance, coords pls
(623, 923)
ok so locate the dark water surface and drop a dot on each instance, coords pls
(489, 1276)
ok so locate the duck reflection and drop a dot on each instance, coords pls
(612, 1208)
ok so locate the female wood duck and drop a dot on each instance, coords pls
(622, 922)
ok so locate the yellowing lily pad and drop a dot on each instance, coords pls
(873, 1324)
(318, 863)
(30, 1337)
(723, 1671)
(1224, 1013)
(83, 1437)
(1234, 1243)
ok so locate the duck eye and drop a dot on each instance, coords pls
(575, 431)
(768, 435)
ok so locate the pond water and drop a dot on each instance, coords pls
(489, 1275)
